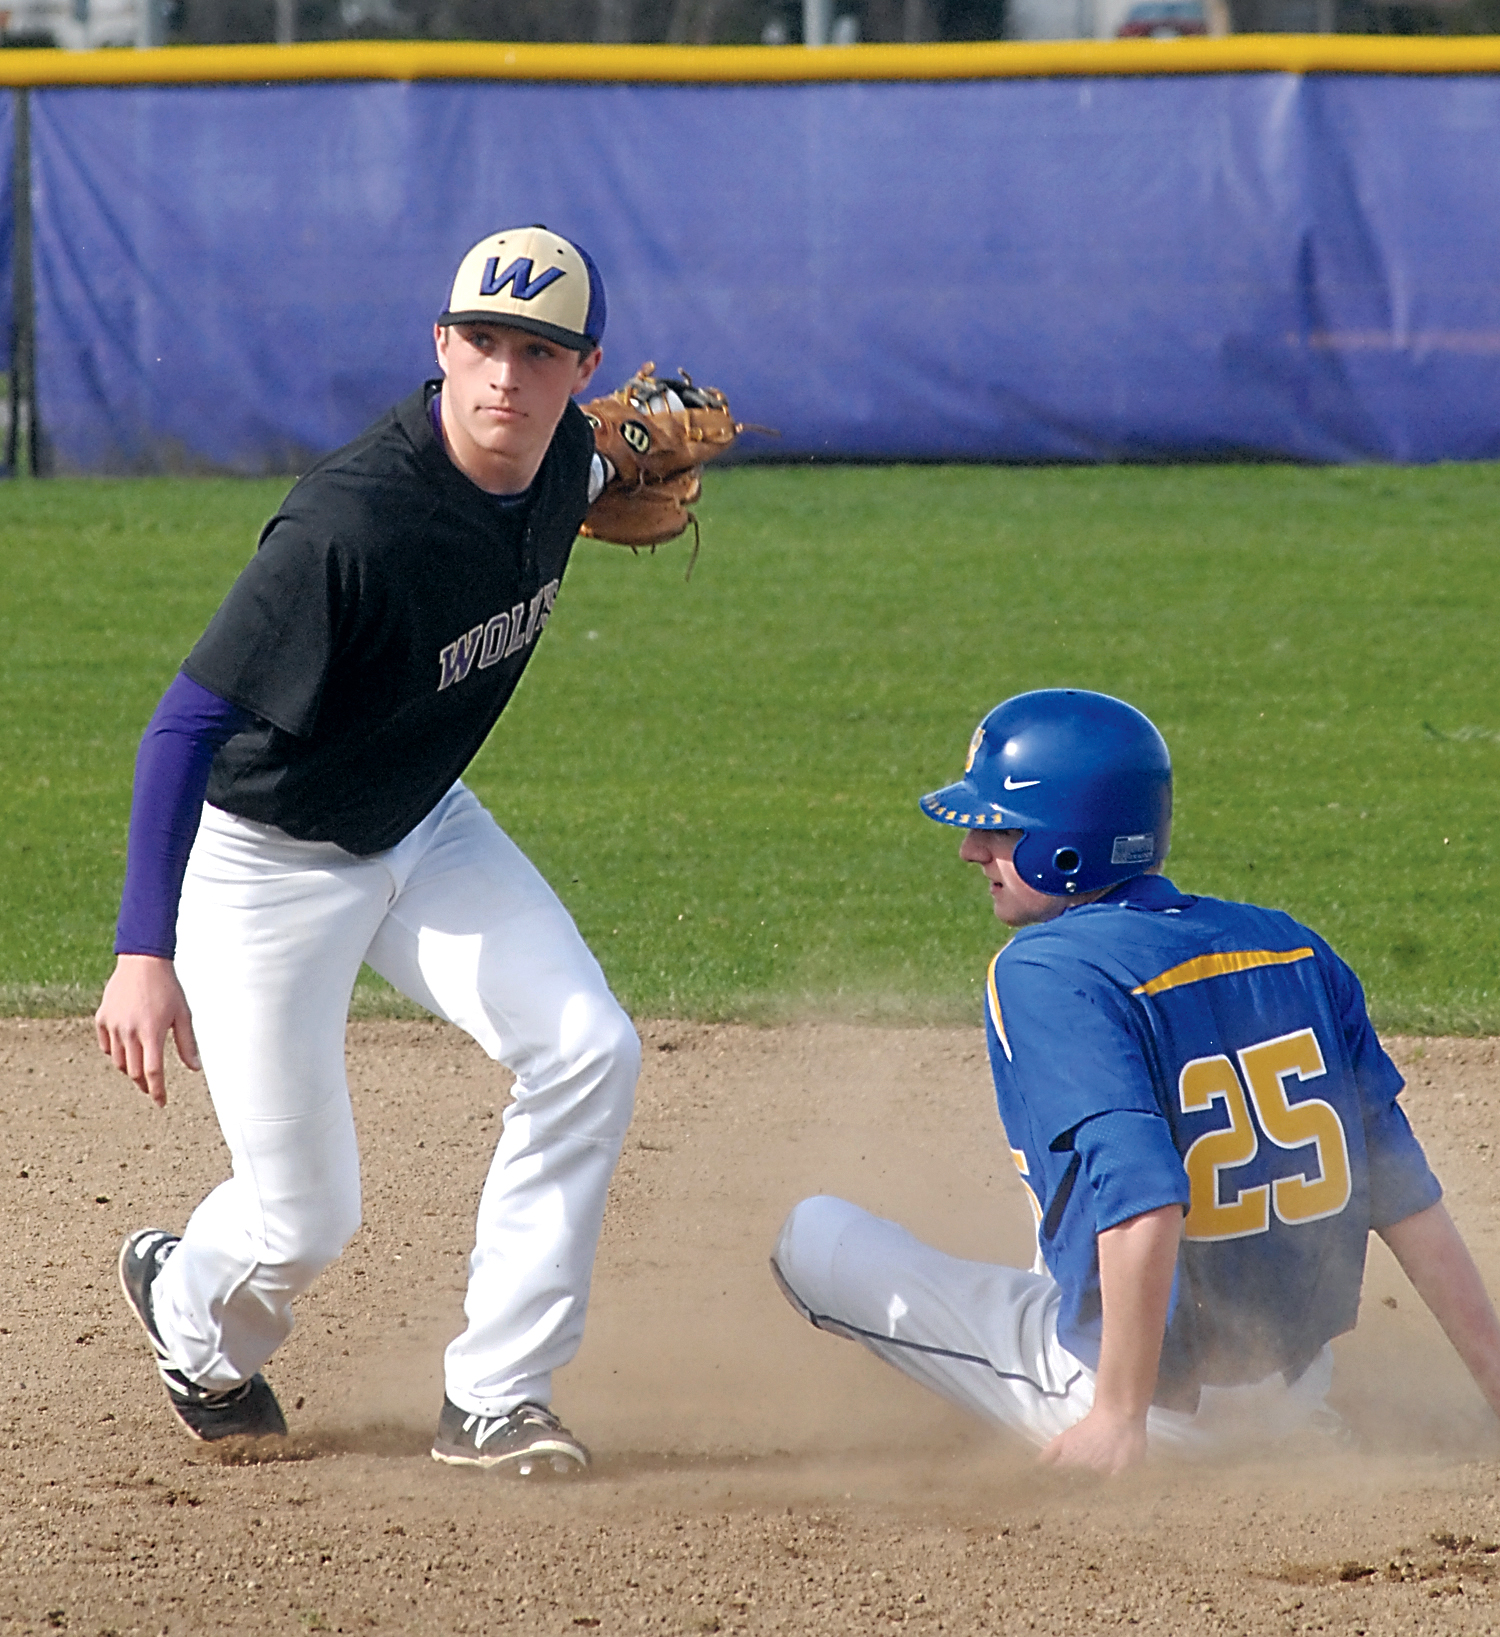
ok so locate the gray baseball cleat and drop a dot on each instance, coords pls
(528, 1441)
(247, 1411)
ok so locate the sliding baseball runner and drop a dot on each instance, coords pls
(1200, 1111)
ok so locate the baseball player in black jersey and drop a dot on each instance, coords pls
(327, 714)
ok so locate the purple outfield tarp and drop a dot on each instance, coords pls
(1182, 267)
(7, 232)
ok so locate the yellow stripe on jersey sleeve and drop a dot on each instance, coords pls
(995, 1018)
(1214, 966)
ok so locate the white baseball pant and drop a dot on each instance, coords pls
(984, 1336)
(270, 937)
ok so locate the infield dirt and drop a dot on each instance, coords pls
(751, 1474)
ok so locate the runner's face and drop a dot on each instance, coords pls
(505, 392)
(1016, 903)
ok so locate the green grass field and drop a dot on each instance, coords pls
(720, 777)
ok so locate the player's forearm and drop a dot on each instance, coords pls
(1434, 1257)
(171, 775)
(1137, 1260)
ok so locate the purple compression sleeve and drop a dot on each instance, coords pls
(171, 774)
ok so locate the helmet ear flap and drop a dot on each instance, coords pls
(1050, 863)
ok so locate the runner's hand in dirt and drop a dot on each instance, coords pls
(1137, 1261)
(143, 1003)
(1105, 1443)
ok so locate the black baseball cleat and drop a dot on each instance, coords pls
(528, 1441)
(247, 1411)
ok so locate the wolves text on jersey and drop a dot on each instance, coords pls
(504, 634)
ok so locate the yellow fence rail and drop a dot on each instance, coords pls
(643, 64)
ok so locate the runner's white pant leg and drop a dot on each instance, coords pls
(270, 935)
(985, 1337)
(476, 935)
(982, 1335)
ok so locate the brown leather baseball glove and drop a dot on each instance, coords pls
(644, 514)
(656, 432)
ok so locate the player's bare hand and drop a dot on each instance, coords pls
(1104, 1443)
(143, 1003)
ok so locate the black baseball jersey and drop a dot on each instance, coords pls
(381, 628)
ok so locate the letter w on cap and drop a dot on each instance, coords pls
(518, 277)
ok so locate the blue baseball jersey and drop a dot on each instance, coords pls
(1155, 1049)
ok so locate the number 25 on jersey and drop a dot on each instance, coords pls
(1216, 1209)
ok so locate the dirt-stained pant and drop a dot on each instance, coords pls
(985, 1337)
(270, 938)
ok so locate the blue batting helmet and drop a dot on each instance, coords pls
(1087, 777)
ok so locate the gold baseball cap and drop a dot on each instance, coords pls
(530, 279)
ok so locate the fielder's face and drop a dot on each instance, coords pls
(504, 393)
(1016, 903)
